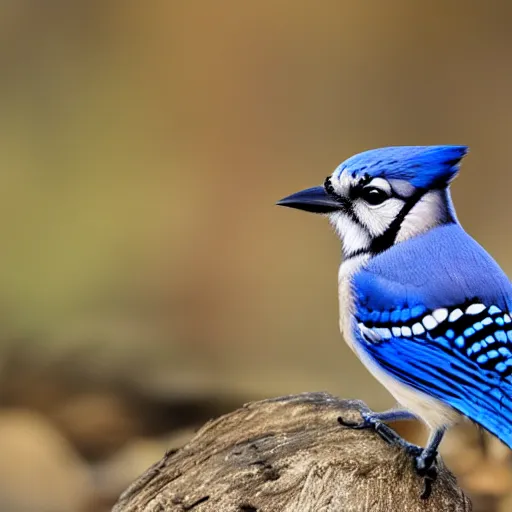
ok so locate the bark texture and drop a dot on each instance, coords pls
(289, 454)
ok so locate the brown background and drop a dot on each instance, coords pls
(147, 281)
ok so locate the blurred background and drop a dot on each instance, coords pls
(147, 281)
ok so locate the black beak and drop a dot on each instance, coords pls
(315, 200)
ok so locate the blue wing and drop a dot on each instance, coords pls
(439, 306)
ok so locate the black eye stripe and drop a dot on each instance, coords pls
(329, 187)
(363, 186)
(387, 239)
(356, 189)
(345, 204)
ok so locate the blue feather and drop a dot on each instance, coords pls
(465, 359)
(441, 268)
(422, 166)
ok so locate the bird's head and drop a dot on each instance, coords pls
(384, 196)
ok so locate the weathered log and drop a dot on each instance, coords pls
(289, 454)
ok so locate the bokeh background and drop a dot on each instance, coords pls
(147, 281)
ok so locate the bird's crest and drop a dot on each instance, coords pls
(421, 166)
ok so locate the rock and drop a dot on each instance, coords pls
(289, 454)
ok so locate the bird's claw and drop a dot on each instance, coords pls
(354, 424)
(426, 468)
(424, 461)
(368, 422)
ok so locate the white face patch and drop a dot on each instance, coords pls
(430, 211)
(374, 203)
(353, 236)
(377, 218)
(367, 221)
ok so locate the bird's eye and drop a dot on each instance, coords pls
(373, 195)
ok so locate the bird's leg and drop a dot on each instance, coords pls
(377, 421)
(425, 462)
(424, 458)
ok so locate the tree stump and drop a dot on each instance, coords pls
(289, 454)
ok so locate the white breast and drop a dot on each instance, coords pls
(433, 412)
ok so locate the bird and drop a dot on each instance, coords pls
(425, 308)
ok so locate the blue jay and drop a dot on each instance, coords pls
(422, 304)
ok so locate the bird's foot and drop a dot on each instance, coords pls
(426, 468)
(424, 458)
(372, 421)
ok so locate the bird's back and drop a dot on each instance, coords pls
(443, 266)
